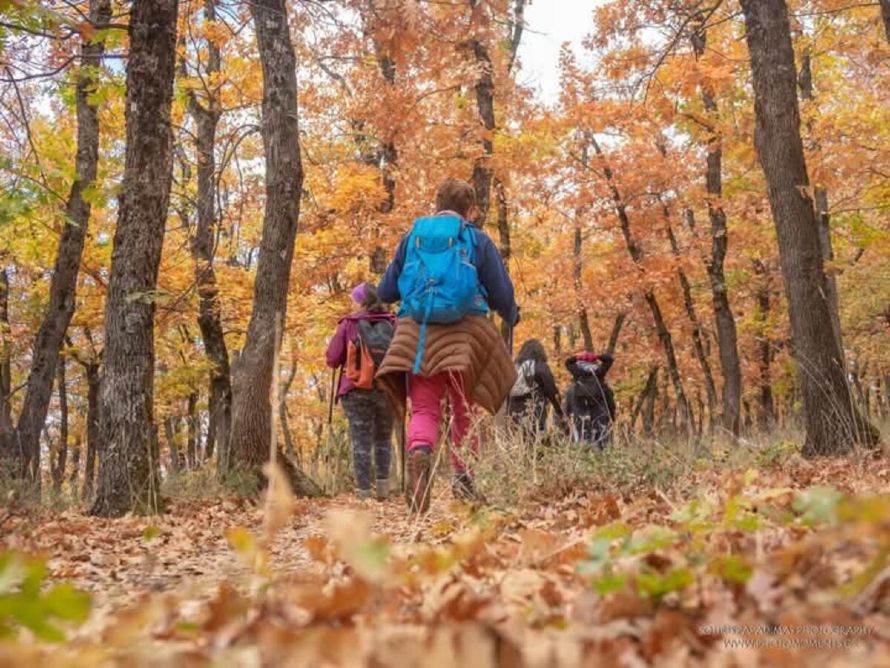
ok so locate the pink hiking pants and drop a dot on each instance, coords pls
(426, 414)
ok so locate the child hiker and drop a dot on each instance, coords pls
(447, 275)
(366, 406)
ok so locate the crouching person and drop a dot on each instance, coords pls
(446, 274)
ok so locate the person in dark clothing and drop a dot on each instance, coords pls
(535, 389)
(589, 402)
(369, 412)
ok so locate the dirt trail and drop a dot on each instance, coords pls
(186, 551)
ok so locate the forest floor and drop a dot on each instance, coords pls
(784, 565)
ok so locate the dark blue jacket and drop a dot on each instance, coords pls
(489, 266)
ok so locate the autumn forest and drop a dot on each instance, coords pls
(189, 192)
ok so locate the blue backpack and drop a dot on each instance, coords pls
(439, 283)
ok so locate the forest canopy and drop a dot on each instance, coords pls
(632, 211)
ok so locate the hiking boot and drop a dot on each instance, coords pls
(382, 489)
(420, 481)
(363, 494)
(463, 488)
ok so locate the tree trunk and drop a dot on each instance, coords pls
(504, 242)
(128, 472)
(516, 28)
(727, 336)
(557, 340)
(833, 424)
(206, 115)
(615, 333)
(503, 215)
(667, 344)
(251, 406)
(283, 414)
(57, 468)
(767, 415)
(577, 269)
(636, 254)
(171, 429)
(9, 458)
(63, 283)
(387, 158)
(886, 393)
(75, 467)
(93, 426)
(827, 248)
(885, 15)
(484, 88)
(805, 84)
(651, 396)
(191, 448)
(689, 304)
(651, 379)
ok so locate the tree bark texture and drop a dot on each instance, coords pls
(57, 469)
(171, 435)
(75, 468)
(646, 403)
(384, 158)
(832, 422)
(615, 334)
(827, 249)
(9, 460)
(727, 335)
(484, 87)
(192, 432)
(283, 414)
(63, 284)
(252, 377)
(577, 284)
(93, 434)
(516, 28)
(820, 200)
(128, 471)
(767, 414)
(206, 115)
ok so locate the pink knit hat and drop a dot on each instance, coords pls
(358, 293)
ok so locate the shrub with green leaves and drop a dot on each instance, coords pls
(26, 603)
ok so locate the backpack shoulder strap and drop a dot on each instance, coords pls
(472, 235)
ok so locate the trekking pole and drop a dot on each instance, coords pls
(403, 449)
(331, 399)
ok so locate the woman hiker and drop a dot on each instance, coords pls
(447, 275)
(368, 411)
(535, 390)
(590, 403)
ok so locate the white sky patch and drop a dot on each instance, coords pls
(550, 23)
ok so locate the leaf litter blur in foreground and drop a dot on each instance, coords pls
(791, 563)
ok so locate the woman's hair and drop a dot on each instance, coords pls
(455, 195)
(531, 350)
(371, 302)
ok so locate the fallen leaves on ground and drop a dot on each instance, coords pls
(727, 568)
